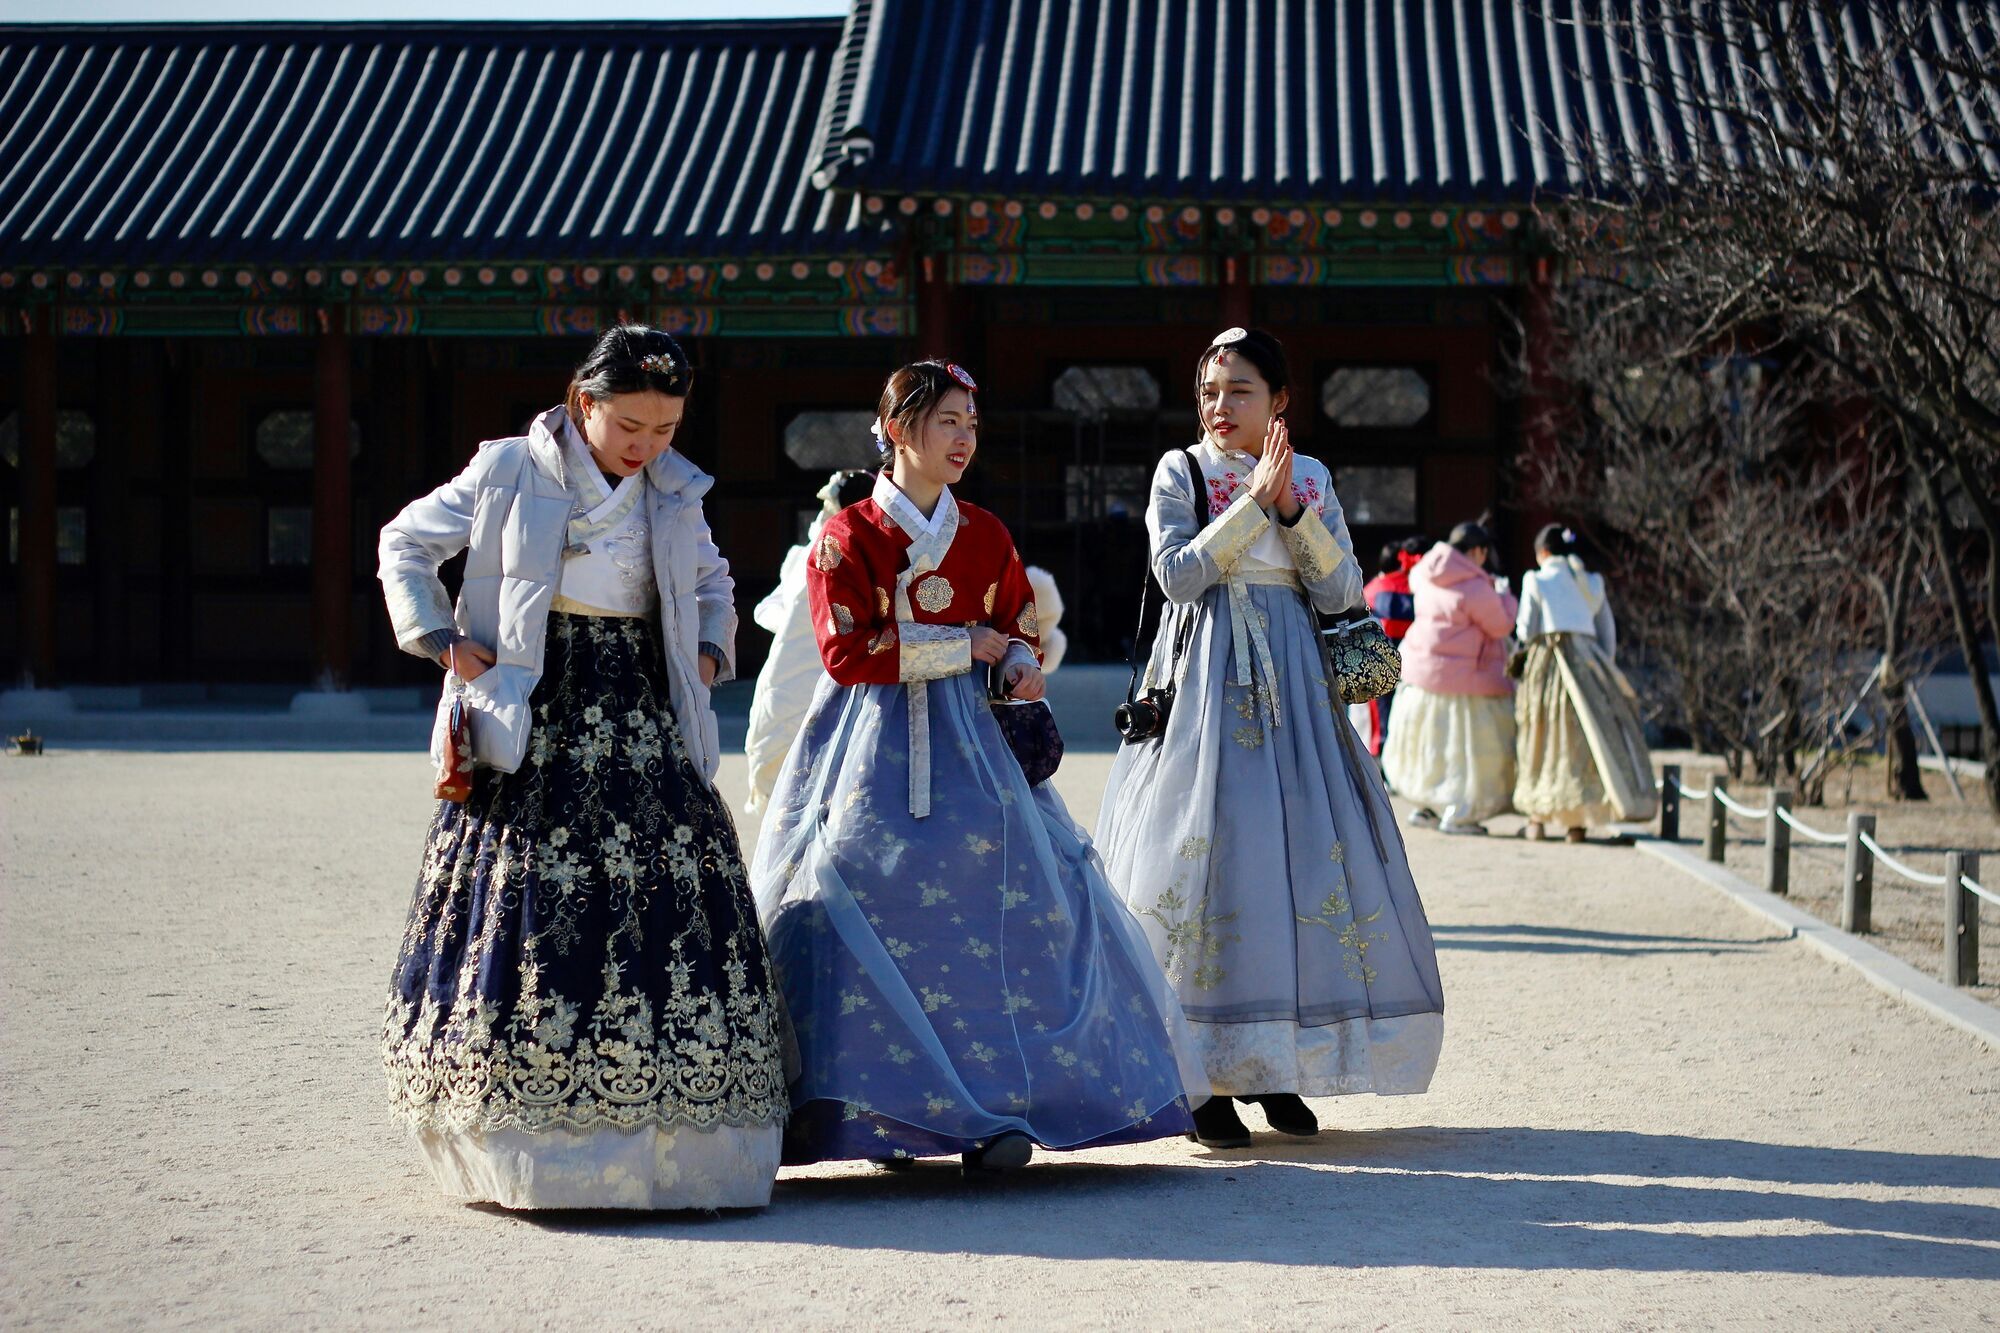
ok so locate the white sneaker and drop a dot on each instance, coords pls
(1451, 823)
(1422, 818)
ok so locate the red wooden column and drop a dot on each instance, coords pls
(1538, 404)
(333, 507)
(38, 501)
(935, 334)
(1235, 295)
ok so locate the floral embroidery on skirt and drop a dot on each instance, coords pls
(583, 951)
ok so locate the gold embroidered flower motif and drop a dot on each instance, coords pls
(882, 603)
(991, 593)
(1194, 938)
(1354, 942)
(882, 642)
(934, 594)
(828, 554)
(843, 619)
(1030, 623)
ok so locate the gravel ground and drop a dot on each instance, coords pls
(1652, 1110)
(1907, 919)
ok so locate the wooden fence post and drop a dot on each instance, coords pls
(1718, 820)
(1778, 843)
(1670, 803)
(1858, 900)
(1961, 920)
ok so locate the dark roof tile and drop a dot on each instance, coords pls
(415, 142)
(1332, 100)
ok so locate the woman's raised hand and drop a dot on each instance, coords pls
(468, 659)
(988, 645)
(1271, 480)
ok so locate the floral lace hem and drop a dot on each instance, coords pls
(449, 1096)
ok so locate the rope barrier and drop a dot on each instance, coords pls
(1831, 839)
(1742, 810)
(1914, 876)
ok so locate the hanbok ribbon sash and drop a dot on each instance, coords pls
(1247, 634)
(927, 552)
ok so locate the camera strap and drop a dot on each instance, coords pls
(1152, 585)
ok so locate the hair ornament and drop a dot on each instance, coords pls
(660, 363)
(1230, 337)
(962, 375)
(830, 492)
(1569, 536)
(881, 439)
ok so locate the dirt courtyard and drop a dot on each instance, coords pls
(1653, 1110)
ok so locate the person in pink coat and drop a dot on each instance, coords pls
(1451, 751)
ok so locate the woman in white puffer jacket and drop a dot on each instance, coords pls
(582, 1013)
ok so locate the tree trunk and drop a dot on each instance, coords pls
(1905, 775)
(1964, 620)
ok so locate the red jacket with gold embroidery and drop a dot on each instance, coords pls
(852, 583)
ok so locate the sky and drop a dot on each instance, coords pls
(263, 11)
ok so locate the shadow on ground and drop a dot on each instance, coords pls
(1559, 939)
(1434, 1197)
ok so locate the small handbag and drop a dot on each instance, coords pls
(1029, 728)
(1366, 665)
(454, 779)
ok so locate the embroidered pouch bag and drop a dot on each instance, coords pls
(454, 779)
(1030, 732)
(1366, 665)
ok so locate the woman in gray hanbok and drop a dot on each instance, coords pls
(1253, 838)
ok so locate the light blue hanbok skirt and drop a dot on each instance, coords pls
(959, 976)
(1258, 849)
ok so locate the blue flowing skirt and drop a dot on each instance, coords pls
(959, 976)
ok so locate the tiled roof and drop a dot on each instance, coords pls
(334, 142)
(1263, 101)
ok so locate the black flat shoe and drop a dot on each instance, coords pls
(1216, 1125)
(892, 1163)
(1009, 1152)
(1287, 1114)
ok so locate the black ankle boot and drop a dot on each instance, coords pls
(1216, 1125)
(1287, 1114)
(1008, 1152)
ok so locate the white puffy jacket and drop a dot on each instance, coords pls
(511, 506)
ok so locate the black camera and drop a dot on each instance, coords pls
(1145, 717)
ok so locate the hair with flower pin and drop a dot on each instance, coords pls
(913, 393)
(1556, 539)
(1257, 347)
(629, 358)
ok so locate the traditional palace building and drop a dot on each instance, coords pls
(261, 284)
